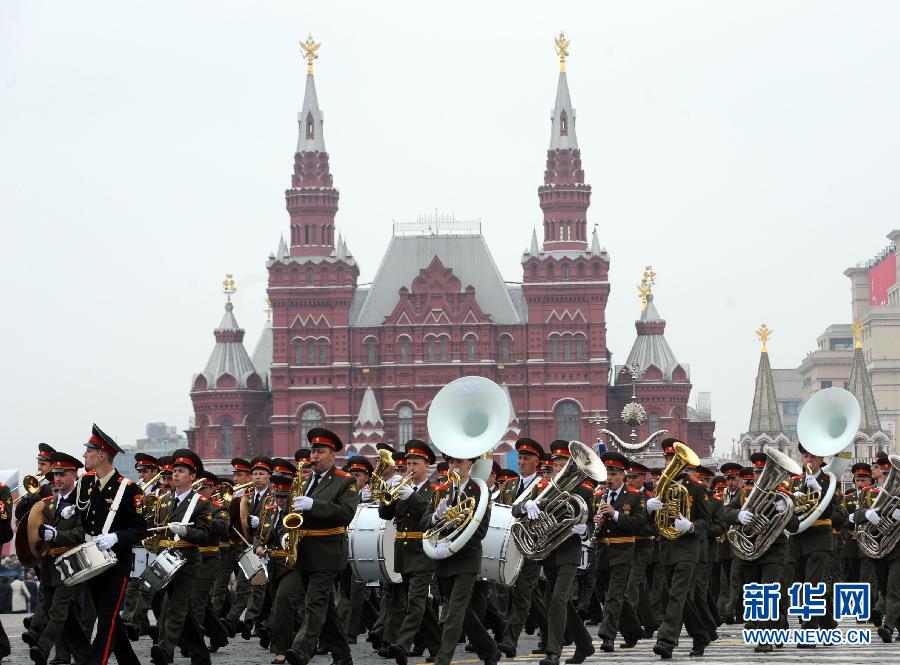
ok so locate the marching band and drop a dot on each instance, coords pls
(417, 555)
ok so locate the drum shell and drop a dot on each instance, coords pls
(501, 559)
(252, 568)
(372, 546)
(162, 569)
(142, 558)
(83, 562)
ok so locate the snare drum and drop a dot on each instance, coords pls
(372, 546)
(142, 559)
(587, 556)
(82, 563)
(501, 559)
(162, 569)
(252, 568)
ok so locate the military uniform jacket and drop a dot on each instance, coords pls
(407, 515)
(335, 499)
(778, 549)
(218, 529)
(197, 534)
(616, 538)
(818, 536)
(6, 513)
(851, 503)
(257, 510)
(468, 559)
(511, 487)
(716, 529)
(67, 535)
(686, 548)
(93, 505)
(724, 549)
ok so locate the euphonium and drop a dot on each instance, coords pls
(31, 485)
(750, 541)
(561, 508)
(293, 521)
(377, 483)
(675, 497)
(878, 540)
(392, 493)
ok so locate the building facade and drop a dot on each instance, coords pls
(366, 360)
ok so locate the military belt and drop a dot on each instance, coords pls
(56, 551)
(645, 537)
(616, 540)
(402, 535)
(177, 544)
(305, 533)
(211, 549)
(225, 543)
(826, 522)
(278, 554)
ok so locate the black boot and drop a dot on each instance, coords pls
(580, 656)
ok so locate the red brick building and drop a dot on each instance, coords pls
(366, 361)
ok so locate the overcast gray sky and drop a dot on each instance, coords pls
(748, 150)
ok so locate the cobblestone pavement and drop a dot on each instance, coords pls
(727, 649)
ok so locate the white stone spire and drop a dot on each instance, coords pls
(533, 251)
(562, 118)
(310, 120)
(368, 410)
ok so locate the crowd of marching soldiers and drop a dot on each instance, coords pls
(615, 572)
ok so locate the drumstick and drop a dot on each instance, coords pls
(163, 528)
(241, 535)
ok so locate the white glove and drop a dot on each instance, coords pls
(302, 503)
(873, 516)
(443, 550)
(654, 504)
(745, 517)
(532, 509)
(67, 512)
(284, 541)
(405, 492)
(852, 518)
(254, 522)
(439, 511)
(780, 506)
(615, 516)
(366, 494)
(896, 515)
(48, 533)
(580, 529)
(393, 480)
(813, 484)
(181, 529)
(106, 541)
(682, 525)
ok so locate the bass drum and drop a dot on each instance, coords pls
(372, 546)
(501, 559)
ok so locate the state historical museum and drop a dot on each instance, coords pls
(366, 361)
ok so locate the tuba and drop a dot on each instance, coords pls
(377, 482)
(751, 541)
(827, 425)
(877, 540)
(561, 509)
(675, 497)
(466, 419)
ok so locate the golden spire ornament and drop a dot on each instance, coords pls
(310, 49)
(562, 50)
(228, 287)
(857, 335)
(764, 332)
(645, 289)
(268, 309)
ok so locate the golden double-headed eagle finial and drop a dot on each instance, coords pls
(228, 286)
(645, 288)
(764, 332)
(562, 50)
(857, 335)
(310, 48)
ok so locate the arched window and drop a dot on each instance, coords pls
(534, 274)
(563, 124)
(579, 348)
(470, 348)
(404, 349)
(312, 234)
(309, 276)
(371, 352)
(430, 347)
(444, 348)
(504, 349)
(405, 425)
(596, 271)
(565, 271)
(653, 425)
(310, 352)
(568, 422)
(554, 348)
(580, 271)
(310, 126)
(310, 417)
(551, 274)
(298, 353)
(323, 351)
(567, 348)
(226, 437)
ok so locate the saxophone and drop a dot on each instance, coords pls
(675, 497)
(293, 521)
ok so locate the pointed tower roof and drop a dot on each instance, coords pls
(368, 410)
(282, 252)
(650, 347)
(368, 429)
(764, 416)
(262, 353)
(596, 250)
(562, 132)
(533, 250)
(861, 386)
(229, 357)
(310, 119)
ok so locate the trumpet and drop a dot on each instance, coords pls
(392, 493)
(31, 485)
(227, 490)
(144, 485)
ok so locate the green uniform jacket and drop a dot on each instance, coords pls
(716, 530)
(6, 514)
(221, 522)
(632, 507)
(407, 516)
(335, 499)
(687, 546)
(817, 538)
(569, 552)
(778, 549)
(468, 559)
(851, 503)
(197, 534)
